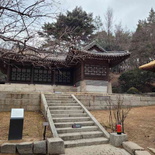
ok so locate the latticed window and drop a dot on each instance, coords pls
(21, 74)
(42, 75)
(63, 77)
(95, 70)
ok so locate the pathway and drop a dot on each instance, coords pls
(104, 149)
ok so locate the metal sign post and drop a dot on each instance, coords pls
(45, 124)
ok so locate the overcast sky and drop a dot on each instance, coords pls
(128, 12)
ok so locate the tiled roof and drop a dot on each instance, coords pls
(70, 58)
(92, 44)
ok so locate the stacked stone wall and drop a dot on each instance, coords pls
(100, 101)
(28, 101)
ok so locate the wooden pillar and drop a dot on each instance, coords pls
(53, 78)
(8, 74)
(109, 87)
(82, 70)
(32, 74)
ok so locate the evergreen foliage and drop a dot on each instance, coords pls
(133, 90)
(143, 41)
(136, 78)
(76, 24)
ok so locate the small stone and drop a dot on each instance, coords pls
(8, 148)
(55, 146)
(132, 147)
(39, 147)
(142, 153)
(25, 148)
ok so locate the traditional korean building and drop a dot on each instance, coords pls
(87, 69)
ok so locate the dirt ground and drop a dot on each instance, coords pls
(32, 129)
(139, 124)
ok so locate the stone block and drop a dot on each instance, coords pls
(35, 96)
(39, 147)
(35, 101)
(151, 102)
(142, 153)
(152, 150)
(26, 102)
(9, 102)
(15, 96)
(8, 148)
(25, 96)
(55, 146)
(25, 148)
(2, 101)
(17, 102)
(97, 103)
(117, 139)
(131, 147)
(33, 108)
(145, 98)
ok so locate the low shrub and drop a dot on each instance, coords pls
(133, 90)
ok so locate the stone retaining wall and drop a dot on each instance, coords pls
(31, 101)
(16, 87)
(100, 101)
(26, 100)
(50, 146)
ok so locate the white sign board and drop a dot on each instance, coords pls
(17, 113)
(45, 123)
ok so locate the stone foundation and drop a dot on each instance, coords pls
(93, 86)
(36, 88)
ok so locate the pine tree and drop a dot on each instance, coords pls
(74, 25)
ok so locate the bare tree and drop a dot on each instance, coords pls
(122, 37)
(117, 113)
(108, 26)
(109, 21)
(20, 21)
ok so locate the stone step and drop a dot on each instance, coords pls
(81, 135)
(85, 142)
(60, 101)
(66, 111)
(69, 115)
(82, 129)
(65, 89)
(69, 124)
(64, 107)
(71, 119)
(57, 95)
(63, 104)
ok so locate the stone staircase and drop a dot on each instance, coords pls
(65, 112)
